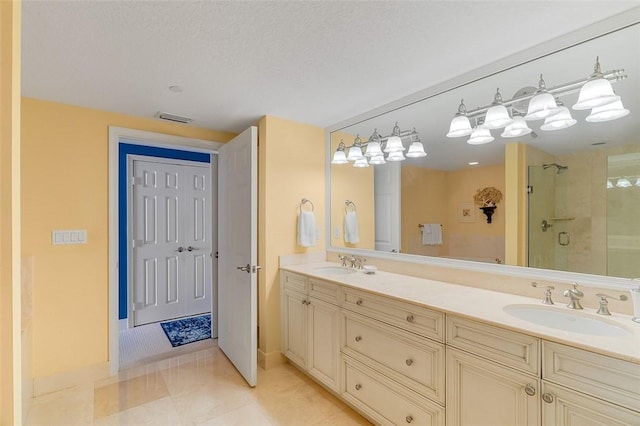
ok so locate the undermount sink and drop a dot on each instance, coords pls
(575, 322)
(334, 270)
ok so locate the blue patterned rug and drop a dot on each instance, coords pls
(187, 330)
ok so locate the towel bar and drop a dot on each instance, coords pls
(305, 201)
(348, 203)
(420, 225)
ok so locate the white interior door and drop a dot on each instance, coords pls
(238, 253)
(387, 180)
(171, 254)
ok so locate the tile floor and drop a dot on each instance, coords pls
(199, 388)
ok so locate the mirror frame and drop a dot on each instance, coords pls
(598, 29)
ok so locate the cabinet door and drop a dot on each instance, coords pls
(323, 360)
(563, 407)
(483, 393)
(294, 327)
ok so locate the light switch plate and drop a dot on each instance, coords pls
(74, 236)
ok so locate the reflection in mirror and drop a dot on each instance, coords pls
(573, 222)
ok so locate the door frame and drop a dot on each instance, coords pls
(119, 135)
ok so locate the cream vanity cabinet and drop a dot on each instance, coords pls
(393, 359)
(492, 375)
(310, 321)
(497, 377)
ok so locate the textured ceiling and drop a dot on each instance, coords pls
(313, 62)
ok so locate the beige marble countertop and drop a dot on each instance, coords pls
(483, 305)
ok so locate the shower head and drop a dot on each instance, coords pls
(559, 168)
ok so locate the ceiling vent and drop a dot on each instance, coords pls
(173, 117)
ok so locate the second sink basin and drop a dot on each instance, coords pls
(334, 270)
(575, 322)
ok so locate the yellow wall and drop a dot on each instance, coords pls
(10, 312)
(423, 192)
(434, 196)
(291, 167)
(356, 185)
(515, 203)
(65, 186)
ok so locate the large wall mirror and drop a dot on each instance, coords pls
(582, 210)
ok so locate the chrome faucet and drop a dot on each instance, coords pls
(343, 258)
(547, 293)
(604, 303)
(575, 295)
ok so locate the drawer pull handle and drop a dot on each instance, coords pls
(358, 338)
(410, 318)
(547, 397)
(358, 387)
(530, 390)
(359, 302)
(409, 419)
(409, 361)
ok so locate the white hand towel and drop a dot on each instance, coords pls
(431, 234)
(306, 229)
(351, 228)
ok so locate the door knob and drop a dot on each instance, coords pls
(180, 249)
(191, 248)
(246, 269)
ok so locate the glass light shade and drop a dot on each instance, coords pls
(361, 162)
(497, 117)
(355, 153)
(480, 136)
(609, 184)
(460, 126)
(396, 156)
(416, 149)
(339, 157)
(623, 183)
(373, 149)
(607, 112)
(541, 106)
(595, 93)
(518, 127)
(378, 159)
(561, 120)
(637, 181)
(394, 144)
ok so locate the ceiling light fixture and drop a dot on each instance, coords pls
(595, 93)
(380, 149)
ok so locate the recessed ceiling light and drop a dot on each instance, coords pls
(474, 163)
(177, 89)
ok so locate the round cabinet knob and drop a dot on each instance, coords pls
(358, 338)
(359, 302)
(358, 387)
(547, 397)
(409, 419)
(410, 318)
(409, 361)
(530, 390)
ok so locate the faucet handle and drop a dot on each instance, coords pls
(604, 303)
(547, 292)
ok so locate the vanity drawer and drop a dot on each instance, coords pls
(295, 282)
(416, 362)
(384, 401)
(510, 348)
(323, 290)
(407, 316)
(601, 376)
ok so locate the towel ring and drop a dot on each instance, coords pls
(348, 203)
(305, 201)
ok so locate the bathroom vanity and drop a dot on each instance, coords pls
(406, 350)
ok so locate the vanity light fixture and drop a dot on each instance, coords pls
(562, 119)
(637, 182)
(595, 94)
(623, 182)
(609, 184)
(379, 149)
